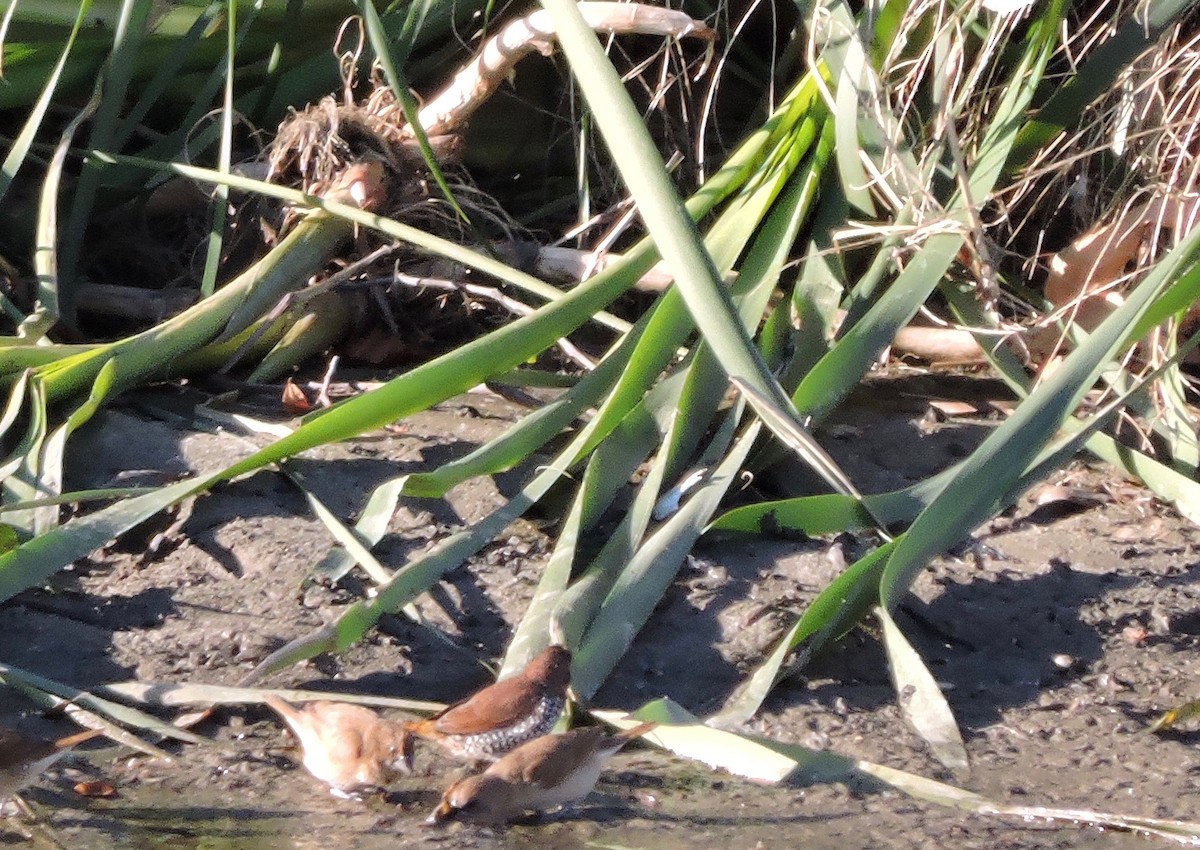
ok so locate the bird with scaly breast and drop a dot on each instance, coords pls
(506, 714)
(348, 747)
(554, 770)
(23, 758)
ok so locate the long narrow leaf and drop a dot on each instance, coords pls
(24, 140)
(642, 168)
(921, 701)
(1000, 460)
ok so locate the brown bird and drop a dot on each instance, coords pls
(23, 758)
(506, 714)
(553, 770)
(348, 747)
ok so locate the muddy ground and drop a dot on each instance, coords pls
(1055, 641)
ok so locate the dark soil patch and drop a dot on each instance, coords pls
(1056, 637)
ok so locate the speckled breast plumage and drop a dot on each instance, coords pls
(496, 742)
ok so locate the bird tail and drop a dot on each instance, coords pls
(419, 728)
(291, 715)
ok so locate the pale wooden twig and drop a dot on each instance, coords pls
(476, 81)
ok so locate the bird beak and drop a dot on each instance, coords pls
(442, 813)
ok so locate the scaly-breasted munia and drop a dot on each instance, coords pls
(506, 714)
(553, 770)
(348, 747)
(23, 757)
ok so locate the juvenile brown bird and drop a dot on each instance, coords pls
(348, 747)
(23, 758)
(553, 770)
(506, 714)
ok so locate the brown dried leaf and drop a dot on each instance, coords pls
(294, 400)
(1058, 493)
(1084, 276)
(955, 408)
(1052, 493)
(95, 788)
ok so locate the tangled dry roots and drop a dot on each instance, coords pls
(314, 148)
(328, 146)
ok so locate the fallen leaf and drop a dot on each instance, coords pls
(95, 789)
(294, 399)
(955, 408)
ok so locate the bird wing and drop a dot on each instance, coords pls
(495, 707)
(551, 759)
(342, 728)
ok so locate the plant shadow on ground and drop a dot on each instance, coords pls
(1028, 642)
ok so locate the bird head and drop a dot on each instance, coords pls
(479, 799)
(552, 667)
